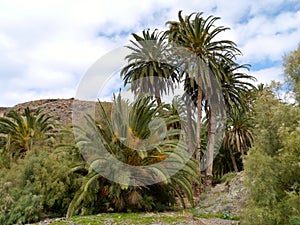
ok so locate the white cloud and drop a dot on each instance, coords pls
(269, 38)
(268, 74)
(20, 96)
(47, 46)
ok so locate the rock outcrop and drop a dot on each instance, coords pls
(225, 198)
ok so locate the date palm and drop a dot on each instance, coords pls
(150, 68)
(200, 36)
(23, 131)
(235, 88)
(237, 91)
(120, 151)
(239, 135)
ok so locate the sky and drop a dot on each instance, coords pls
(46, 47)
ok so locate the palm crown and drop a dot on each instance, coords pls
(24, 130)
(150, 69)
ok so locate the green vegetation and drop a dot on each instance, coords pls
(272, 168)
(292, 72)
(178, 217)
(128, 218)
(37, 185)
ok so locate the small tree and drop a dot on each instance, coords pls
(23, 131)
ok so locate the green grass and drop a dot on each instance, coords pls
(179, 217)
(225, 216)
(125, 218)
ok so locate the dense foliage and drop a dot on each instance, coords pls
(37, 185)
(57, 181)
(20, 132)
(272, 168)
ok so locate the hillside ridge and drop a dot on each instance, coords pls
(59, 108)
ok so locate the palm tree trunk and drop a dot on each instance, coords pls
(158, 100)
(190, 128)
(233, 161)
(243, 156)
(211, 146)
(196, 188)
(198, 132)
(199, 124)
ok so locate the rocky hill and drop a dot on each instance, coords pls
(3, 110)
(60, 109)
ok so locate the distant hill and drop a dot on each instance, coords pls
(3, 110)
(60, 109)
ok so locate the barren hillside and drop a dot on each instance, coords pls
(60, 109)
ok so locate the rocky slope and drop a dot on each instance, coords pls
(60, 109)
(227, 198)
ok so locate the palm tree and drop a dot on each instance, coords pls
(235, 87)
(239, 136)
(23, 131)
(150, 69)
(133, 154)
(200, 36)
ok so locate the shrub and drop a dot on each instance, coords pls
(272, 169)
(37, 186)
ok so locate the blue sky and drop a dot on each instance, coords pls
(46, 47)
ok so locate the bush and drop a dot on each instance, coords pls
(37, 186)
(273, 167)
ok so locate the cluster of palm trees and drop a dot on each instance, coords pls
(133, 149)
(190, 53)
(132, 157)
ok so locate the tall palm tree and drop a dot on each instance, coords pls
(235, 86)
(199, 35)
(150, 68)
(23, 131)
